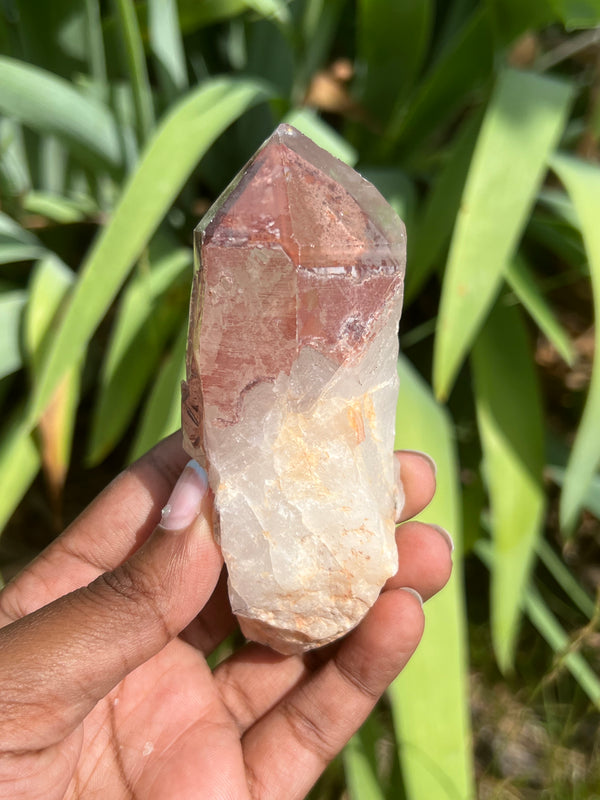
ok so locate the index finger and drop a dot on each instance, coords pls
(103, 536)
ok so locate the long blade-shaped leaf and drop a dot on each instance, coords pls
(136, 62)
(17, 244)
(167, 46)
(435, 748)
(19, 464)
(582, 181)
(392, 42)
(509, 414)
(149, 312)
(51, 105)
(166, 164)
(50, 283)
(162, 414)
(12, 304)
(524, 286)
(524, 119)
(546, 623)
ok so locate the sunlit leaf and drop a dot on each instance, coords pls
(546, 623)
(84, 124)
(434, 226)
(435, 748)
(509, 414)
(136, 62)
(582, 181)
(162, 413)
(361, 778)
(63, 210)
(522, 124)
(522, 282)
(151, 308)
(12, 304)
(19, 464)
(49, 286)
(17, 244)
(167, 46)
(166, 164)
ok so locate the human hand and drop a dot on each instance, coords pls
(102, 698)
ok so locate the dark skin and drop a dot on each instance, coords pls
(106, 692)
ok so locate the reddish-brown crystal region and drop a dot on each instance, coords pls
(298, 251)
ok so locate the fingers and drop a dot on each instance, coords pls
(424, 559)
(252, 680)
(126, 512)
(57, 663)
(287, 749)
(417, 473)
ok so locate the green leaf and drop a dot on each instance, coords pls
(51, 105)
(148, 313)
(170, 156)
(435, 748)
(271, 9)
(522, 125)
(466, 63)
(582, 181)
(12, 304)
(311, 125)
(591, 499)
(136, 62)
(361, 778)
(510, 419)
(17, 244)
(549, 627)
(393, 39)
(522, 282)
(397, 188)
(162, 413)
(63, 210)
(440, 209)
(578, 13)
(49, 286)
(565, 578)
(167, 46)
(19, 464)
(51, 280)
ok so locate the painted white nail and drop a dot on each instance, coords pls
(185, 500)
(414, 593)
(443, 532)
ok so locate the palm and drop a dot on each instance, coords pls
(163, 730)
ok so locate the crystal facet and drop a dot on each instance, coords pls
(291, 389)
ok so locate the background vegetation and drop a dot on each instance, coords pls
(480, 121)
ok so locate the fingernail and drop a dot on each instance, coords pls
(414, 593)
(443, 532)
(426, 457)
(184, 503)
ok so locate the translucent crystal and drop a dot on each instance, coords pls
(291, 389)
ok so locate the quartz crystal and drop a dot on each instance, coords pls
(291, 389)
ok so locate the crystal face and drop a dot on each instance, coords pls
(291, 389)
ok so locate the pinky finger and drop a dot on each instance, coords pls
(287, 749)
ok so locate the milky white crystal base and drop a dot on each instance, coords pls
(307, 496)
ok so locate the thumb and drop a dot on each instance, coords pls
(69, 654)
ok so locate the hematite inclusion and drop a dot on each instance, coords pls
(291, 389)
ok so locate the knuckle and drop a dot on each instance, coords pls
(134, 591)
(310, 734)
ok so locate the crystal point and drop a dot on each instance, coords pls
(291, 389)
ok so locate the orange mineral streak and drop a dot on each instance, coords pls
(288, 257)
